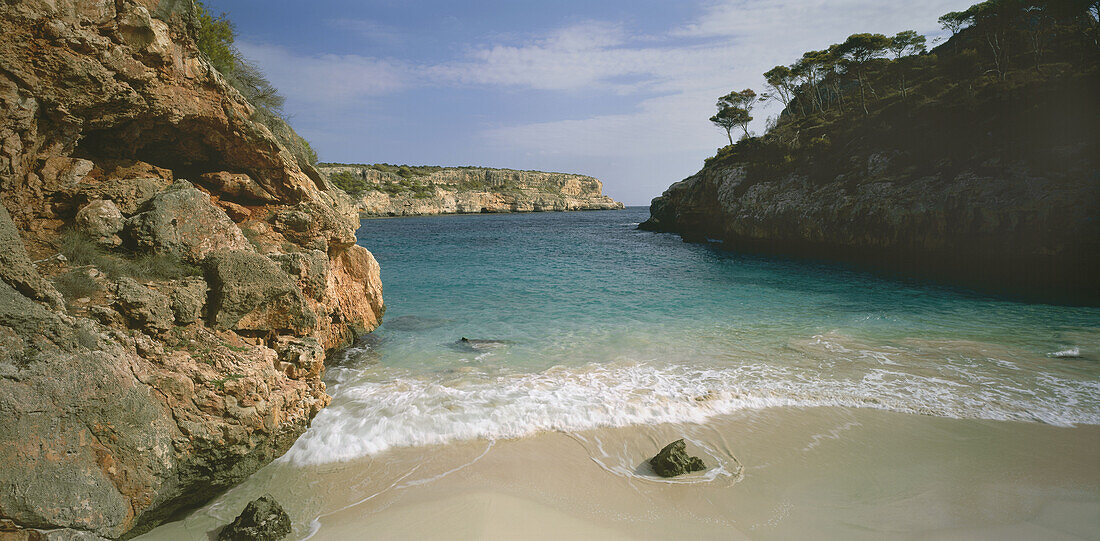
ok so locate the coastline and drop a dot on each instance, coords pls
(827, 473)
(368, 216)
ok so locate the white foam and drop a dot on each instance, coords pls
(1071, 353)
(369, 417)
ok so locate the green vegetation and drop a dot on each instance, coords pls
(350, 182)
(403, 171)
(355, 184)
(82, 250)
(75, 284)
(214, 36)
(734, 110)
(1016, 82)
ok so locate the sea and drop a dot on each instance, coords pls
(501, 326)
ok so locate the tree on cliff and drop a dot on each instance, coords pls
(904, 44)
(729, 118)
(781, 85)
(859, 50)
(734, 111)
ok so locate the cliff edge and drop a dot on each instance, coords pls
(382, 190)
(171, 276)
(975, 163)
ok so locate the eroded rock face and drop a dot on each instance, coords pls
(145, 308)
(155, 392)
(249, 292)
(182, 221)
(1015, 232)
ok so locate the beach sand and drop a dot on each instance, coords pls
(779, 473)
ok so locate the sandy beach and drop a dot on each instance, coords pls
(780, 473)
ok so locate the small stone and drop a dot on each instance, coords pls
(263, 519)
(673, 460)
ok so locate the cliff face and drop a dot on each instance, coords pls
(178, 346)
(976, 163)
(474, 190)
(1016, 231)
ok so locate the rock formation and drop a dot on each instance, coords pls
(178, 346)
(673, 461)
(263, 519)
(1018, 231)
(472, 190)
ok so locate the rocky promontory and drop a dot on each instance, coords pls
(171, 276)
(969, 164)
(414, 191)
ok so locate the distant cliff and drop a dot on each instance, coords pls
(961, 166)
(382, 190)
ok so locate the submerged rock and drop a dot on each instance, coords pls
(673, 460)
(263, 519)
(474, 344)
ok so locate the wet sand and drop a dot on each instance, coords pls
(779, 473)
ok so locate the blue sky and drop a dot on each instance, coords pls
(617, 89)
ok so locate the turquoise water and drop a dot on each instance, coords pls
(600, 324)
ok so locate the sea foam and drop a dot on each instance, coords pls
(370, 417)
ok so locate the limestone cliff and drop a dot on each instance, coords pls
(971, 163)
(471, 190)
(1016, 232)
(177, 345)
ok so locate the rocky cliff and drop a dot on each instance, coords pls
(471, 190)
(1017, 231)
(976, 163)
(171, 277)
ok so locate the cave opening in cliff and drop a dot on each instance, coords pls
(188, 153)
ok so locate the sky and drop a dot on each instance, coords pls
(617, 89)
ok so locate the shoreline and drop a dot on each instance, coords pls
(826, 472)
(368, 216)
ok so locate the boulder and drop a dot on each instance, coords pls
(130, 194)
(143, 306)
(300, 357)
(309, 268)
(263, 519)
(101, 220)
(187, 297)
(250, 292)
(673, 460)
(181, 220)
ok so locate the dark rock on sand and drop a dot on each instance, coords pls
(263, 519)
(673, 460)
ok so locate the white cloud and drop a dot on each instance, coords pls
(802, 23)
(667, 81)
(369, 30)
(736, 41)
(329, 78)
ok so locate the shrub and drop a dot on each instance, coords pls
(82, 250)
(75, 285)
(214, 37)
(349, 182)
